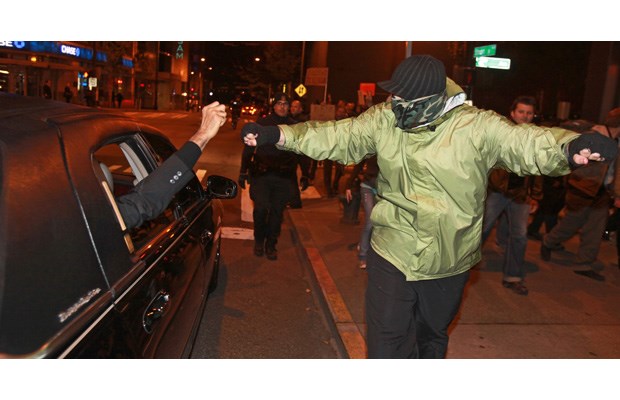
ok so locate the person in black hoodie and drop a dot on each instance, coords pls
(273, 180)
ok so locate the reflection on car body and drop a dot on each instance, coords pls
(73, 281)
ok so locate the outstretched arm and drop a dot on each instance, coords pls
(153, 194)
(254, 134)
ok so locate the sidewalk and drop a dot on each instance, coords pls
(565, 315)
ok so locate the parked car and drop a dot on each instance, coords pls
(73, 281)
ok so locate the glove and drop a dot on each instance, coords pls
(597, 143)
(265, 134)
(243, 178)
(304, 182)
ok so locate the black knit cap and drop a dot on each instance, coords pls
(415, 77)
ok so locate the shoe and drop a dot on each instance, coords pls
(545, 252)
(258, 250)
(517, 287)
(272, 253)
(591, 274)
(362, 264)
(534, 236)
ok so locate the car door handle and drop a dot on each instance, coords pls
(155, 310)
(206, 236)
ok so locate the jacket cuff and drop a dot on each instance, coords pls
(189, 154)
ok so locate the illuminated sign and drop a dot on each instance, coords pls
(70, 50)
(180, 50)
(484, 51)
(493, 62)
(11, 43)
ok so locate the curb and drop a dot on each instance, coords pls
(347, 329)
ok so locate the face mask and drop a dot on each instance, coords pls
(413, 113)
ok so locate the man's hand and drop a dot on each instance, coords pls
(591, 146)
(243, 178)
(348, 195)
(213, 117)
(254, 134)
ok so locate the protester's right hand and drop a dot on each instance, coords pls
(243, 178)
(253, 134)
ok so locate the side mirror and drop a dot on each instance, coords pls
(220, 187)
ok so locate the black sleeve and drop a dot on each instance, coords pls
(304, 164)
(356, 171)
(246, 158)
(152, 195)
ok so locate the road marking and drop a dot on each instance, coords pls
(310, 193)
(229, 232)
(200, 174)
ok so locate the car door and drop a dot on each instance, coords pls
(161, 296)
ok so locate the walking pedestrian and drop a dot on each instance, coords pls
(509, 197)
(269, 172)
(587, 205)
(434, 154)
(68, 93)
(47, 90)
(119, 99)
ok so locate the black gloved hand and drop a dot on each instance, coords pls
(243, 178)
(265, 134)
(597, 143)
(304, 182)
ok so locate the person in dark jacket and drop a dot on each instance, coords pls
(272, 174)
(152, 195)
(587, 207)
(508, 201)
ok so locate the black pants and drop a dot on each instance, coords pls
(270, 193)
(409, 319)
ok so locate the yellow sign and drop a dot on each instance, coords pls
(301, 90)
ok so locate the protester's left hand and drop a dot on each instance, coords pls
(592, 146)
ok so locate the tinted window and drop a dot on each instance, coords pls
(127, 168)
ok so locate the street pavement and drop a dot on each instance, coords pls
(565, 315)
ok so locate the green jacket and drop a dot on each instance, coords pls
(433, 180)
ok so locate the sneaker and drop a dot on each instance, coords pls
(517, 287)
(258, 250)
(362, 264)
(272, 253)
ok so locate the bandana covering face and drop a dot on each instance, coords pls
(413, 113)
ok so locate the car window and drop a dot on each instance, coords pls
(123, 167)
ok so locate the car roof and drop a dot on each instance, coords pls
(13, 105)
(18, 107)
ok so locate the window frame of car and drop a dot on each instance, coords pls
(144, 152)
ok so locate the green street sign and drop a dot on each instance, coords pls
(488, 50)
(493, 62)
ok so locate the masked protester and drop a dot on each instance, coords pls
(434, 154)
